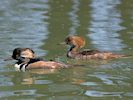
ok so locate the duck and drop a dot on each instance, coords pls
(26, 59)
(77, 43)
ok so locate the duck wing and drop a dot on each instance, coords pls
(89, 52)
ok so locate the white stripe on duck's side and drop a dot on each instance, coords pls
(21, 66)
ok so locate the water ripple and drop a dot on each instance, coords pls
(110, 79)
(106, 24)
(5, 81)
(102, 94)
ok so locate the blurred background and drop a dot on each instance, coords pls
(43, 24)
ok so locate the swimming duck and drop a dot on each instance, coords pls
(26, 59)
(77, 42)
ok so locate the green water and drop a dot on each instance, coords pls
(43, 24)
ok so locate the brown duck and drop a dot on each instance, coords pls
(77, 42)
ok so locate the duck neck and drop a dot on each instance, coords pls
(72, 51)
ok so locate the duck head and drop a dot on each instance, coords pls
(75, 40)
(23, 52)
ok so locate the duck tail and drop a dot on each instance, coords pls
(126, 56)
(121, 56)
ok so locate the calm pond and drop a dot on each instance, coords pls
(107, 25)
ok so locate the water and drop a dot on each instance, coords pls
(42, 24)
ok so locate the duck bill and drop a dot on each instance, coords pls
(9, 58)
(62, 43)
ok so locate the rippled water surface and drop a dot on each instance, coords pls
(42, 24)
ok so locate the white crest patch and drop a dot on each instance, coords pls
(17, 66)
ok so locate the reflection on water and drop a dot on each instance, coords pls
(73, 17)
(127, 16)
(45, 23)
(105, 25)
(22, 25)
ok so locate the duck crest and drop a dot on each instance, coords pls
(76, 41)
(23, 52)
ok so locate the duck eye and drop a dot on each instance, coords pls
(17, 56)
(67, 40)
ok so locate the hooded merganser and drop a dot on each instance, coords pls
(77, 43)
(26, 59)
